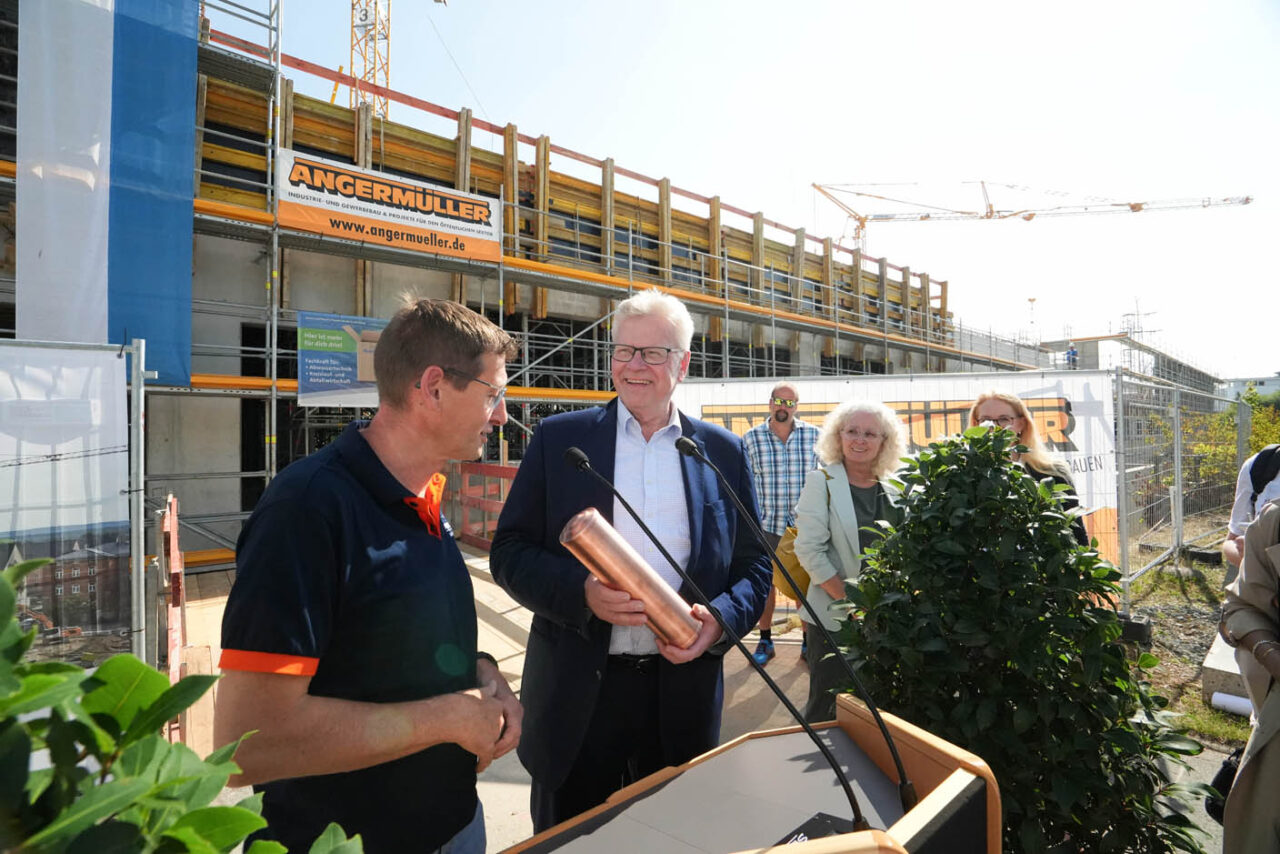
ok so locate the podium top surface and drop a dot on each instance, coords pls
(750, 796)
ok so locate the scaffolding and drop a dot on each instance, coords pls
(769, 300)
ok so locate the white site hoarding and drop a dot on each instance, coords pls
(64, 486)
(1073, 410)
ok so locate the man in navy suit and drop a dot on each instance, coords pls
(607, 702)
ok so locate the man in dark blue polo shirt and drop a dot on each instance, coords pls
(349, 637)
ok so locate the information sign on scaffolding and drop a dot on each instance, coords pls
(335, 359)
(338, 200)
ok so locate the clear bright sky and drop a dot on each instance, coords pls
(753, 101)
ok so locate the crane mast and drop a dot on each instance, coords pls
(371, 52)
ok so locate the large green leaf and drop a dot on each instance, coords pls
(15, 759)
(124, 686)
(191, 842)
(95, 735)
(222, 827)
(252, 803)
(168, 705)
(97, 804)
(37, 782)
(334, 841)
(14, 574)
(266, 846)
(227, 752)
(8, 601)
(111, 837)
(191, 780)
(42, 690)
(9, 682)
(143, 758)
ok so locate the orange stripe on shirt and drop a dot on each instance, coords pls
(428, 506)
(267, 662)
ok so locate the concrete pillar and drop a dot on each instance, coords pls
(542, 201)
(606, 214)
(757, 252)
(363, 155)
(715, 247)
(926, 308)
(664, 229)
(884, 297)
(510, 215)
(286, 112)
(826, 296)
(797, 270)
(859, 292)
(461, 181)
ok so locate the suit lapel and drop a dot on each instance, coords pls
(696, 490)
(599, 444)
(842, 505)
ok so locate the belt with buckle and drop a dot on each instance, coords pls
(640, 663)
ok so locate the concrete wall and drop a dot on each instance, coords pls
(392, 281)
(190, 434)
(321, 283)
(226, 271)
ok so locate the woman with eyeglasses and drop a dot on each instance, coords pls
(860, 445)
(1008, 412)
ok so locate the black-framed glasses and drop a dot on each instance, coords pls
(1002, 421)
(650, 355)
(500, 391)
(784, 401)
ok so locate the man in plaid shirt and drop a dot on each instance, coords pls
(780, 453)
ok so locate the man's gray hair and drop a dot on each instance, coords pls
(653, 302)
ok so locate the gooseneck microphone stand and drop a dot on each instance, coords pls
(577, 459)
(906, 789)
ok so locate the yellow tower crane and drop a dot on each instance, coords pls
(371, 52)
(928, 213)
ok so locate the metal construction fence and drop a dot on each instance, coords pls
(1154, 463)
(1178, 454)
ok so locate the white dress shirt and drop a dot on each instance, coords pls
(1242, 514)
(649, 476)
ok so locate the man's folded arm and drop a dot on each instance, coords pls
(300, 735)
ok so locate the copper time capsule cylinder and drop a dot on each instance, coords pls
(591, 539)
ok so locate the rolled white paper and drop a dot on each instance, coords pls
(1231, 703)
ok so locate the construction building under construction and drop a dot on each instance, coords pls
(767, 299)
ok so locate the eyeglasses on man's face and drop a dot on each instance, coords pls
(784, 401)
(1002, 421)
(863, 435)
(651, 355)
(491, 402)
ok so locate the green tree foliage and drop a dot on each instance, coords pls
(981, 620)
(1265, 429)
(111, 783)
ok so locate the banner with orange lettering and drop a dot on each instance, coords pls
(335, 199)
(1074, 412)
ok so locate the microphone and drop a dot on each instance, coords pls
(575, 458)
(906, 789)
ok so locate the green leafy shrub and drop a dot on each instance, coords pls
(982, 620)
(113, 783)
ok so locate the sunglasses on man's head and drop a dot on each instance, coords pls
(784, 401)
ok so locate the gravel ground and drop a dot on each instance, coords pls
(1185, 630)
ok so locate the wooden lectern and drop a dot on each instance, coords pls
(770, 791)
